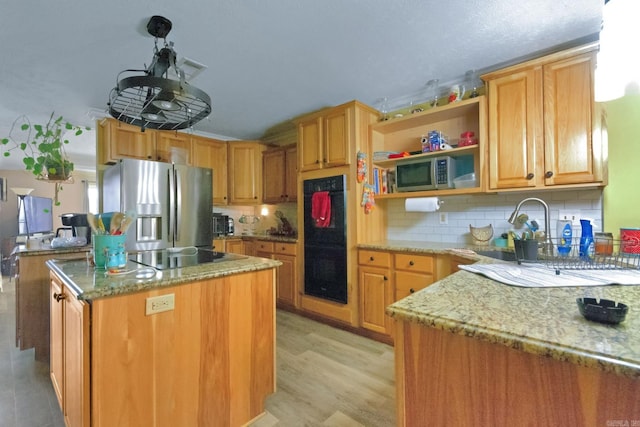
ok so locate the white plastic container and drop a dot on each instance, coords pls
(466, 181)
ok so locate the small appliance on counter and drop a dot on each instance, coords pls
(78, 224)
(222, 225)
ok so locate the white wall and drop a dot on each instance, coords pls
(481, 210)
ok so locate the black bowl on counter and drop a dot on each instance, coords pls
(604, 311)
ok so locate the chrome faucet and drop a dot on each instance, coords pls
(548, 244)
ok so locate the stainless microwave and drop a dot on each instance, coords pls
(425, 173)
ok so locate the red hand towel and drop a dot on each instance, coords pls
(321, 208)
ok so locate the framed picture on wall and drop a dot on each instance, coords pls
(3, 189)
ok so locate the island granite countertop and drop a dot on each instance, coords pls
(543, 321)
(88, 282)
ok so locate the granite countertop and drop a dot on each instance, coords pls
(543, 321)
(21, 250)
(270, 237)
(89, 283)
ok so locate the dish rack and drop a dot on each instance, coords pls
(606, 255)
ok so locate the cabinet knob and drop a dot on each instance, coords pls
(549, 174)
(385, 278)
(317, 161)
(58, 297)
(411, 290)
(410, 262)
(370, 258)
(530, 176)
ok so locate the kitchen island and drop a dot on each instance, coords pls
(32, 295)
(183, 346)
(472, 351)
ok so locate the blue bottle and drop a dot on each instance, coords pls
(587, 246)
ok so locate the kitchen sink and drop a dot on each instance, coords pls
(496, 254)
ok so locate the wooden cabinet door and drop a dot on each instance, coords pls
(212, 153)
(76, 362)
(245, 163)
(407, 282)
(336, 150)
(515, 129)
(286, 280)
(56, 355)
(173, 147)
(375, 295)
(235, 246)
(569, 122)
(291, 174)
(128, 142)
(273, 168)
(310, 144)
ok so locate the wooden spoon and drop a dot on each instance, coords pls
(116, 222)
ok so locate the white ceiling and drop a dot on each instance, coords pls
(268, 61)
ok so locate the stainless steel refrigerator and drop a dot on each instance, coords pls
(172, 202)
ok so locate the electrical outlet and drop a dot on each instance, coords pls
(444, 218)
(160, 303)
(571, 215)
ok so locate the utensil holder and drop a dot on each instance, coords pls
(104, 248)
(526, 250)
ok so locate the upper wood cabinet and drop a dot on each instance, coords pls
(118, 140)
(327, 138)
(173, 147)
(245, 172)
(279, 166)
(212, 153)
(544, 127)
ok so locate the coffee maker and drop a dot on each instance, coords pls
(78, 224)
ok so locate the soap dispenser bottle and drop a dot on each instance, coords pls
(587, 246)
(565, 234)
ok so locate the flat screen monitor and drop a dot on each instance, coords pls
(38, 212)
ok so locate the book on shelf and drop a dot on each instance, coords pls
(384, 180)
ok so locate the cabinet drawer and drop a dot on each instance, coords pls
(285, 248)
(264, 246)
(407, 283)
(374, 258)
(413, 262)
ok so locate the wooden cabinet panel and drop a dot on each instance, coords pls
(414, 262)
(69, 367)
(212, 153)
(236, 246)
(569, 126)
(264, 246)
(285, 248)
(515, 129)
(374, 258)
(280, 175)
(56, 362)
(544, 127)
(173, 147)
(310, 144)
(119, 140)
(406, 283)
(375, 295)
(286, 279)
(273, 166)
(245, 173)
(336, 138)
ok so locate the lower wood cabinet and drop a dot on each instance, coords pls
(286, 274)
(69, 362)
(385, 277)
(234, 246)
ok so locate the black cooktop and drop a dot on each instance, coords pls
(166, 259)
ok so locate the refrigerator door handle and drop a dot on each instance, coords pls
(170, 218)
(178, 204)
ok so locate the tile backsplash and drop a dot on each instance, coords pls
(495, 209)
(289, 210)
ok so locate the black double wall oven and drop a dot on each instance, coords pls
(325, 238)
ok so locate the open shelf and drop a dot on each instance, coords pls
(468, 150)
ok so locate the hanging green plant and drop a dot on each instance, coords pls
(42, 147)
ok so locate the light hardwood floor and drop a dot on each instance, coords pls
(325, 377)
